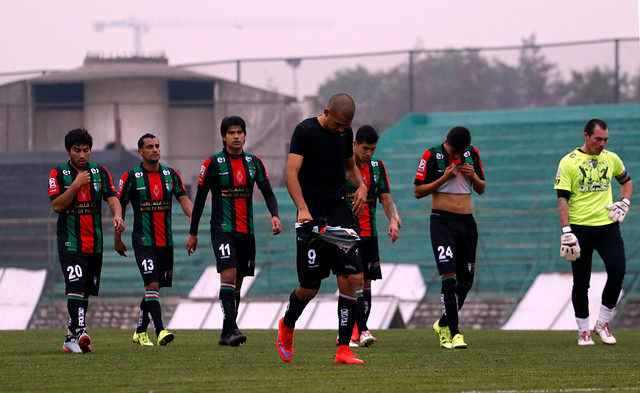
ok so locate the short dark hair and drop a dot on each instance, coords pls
(142, 138)
(342, 103)
(367, 134)
(591, 125)
(459, 138)
(232, 121)
(78, 136)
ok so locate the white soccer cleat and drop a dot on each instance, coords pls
(584, 338)
(366, 338)
(605, 334)
(71, 345)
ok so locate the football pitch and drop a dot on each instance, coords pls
(401, 361)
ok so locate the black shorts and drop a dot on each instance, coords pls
(315, 261)
(81, 272)
(155, 264)
(235, 250)
(370, 258)
(454, 238)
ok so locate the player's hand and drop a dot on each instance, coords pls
(192, 244)
(275, 224)
(359, 200)
(466, 169)
(450, 172)
(399, 221)
(304, 215)
(82, 179)
(119, 246)
(569, 247)
(118, 225)
(618, 210)
(393, 230)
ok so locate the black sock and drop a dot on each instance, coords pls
(143, 318)
(152, 306)
(361, 314)
(75, 306)
(228, 305)
(346, 317)
(294, 310)
(366, 295)
(236, 295)
(450, 305)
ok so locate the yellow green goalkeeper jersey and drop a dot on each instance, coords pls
(588, 178)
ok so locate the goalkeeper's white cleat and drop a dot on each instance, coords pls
(584, 338)
(605, 334)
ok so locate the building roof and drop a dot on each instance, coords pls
(99, 68)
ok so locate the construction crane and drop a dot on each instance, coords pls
(141, 26)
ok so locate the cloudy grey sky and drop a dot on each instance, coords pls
(40, 34)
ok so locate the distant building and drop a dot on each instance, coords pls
(119, 99)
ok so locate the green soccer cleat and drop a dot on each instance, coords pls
(142, 339)
(458, 342)
(444, 334)
(165, 337)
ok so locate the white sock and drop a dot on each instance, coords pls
(583, 324)
(606, 314)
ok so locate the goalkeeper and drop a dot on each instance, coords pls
(590, 221)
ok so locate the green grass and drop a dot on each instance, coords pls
(401, 361)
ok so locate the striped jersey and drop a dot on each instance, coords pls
(375, 178)
(230, 178)
(588, 178)
(433, 163)
(79, 227)
(150, 194)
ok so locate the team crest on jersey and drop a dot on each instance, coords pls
(593, 162)
(252, 173)
(156, 191)
(168, 186)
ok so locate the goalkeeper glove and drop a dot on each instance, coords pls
(619, 209)
(569, 247)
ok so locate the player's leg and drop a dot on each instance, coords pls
(310, 274)
(443, 244)
(371, 272)
(610, 246)
(581, 269)
(347, 303)
(75, 269)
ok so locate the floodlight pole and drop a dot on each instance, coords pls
(616, 70)
(411, 91)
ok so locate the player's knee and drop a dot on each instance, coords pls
(306, 294)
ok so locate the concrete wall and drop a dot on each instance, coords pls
(15, 130)
(141, 106)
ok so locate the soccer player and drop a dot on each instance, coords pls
(320, 157)
(76, 191)
(374, 176)
(449, 172)
(590, 221)
(150, 187)
(230, 176)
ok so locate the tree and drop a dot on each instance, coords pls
(596, 86)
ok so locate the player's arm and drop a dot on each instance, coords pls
(469, 172)
(198, 206)
(355, 178)
(423, 190)
(272, 204)
(392, 214)
(294, 163)
(187, 206)
(118, 244)
(116, 210)
(569, 246)
(63, 200)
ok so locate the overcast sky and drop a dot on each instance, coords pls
(39, 34)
